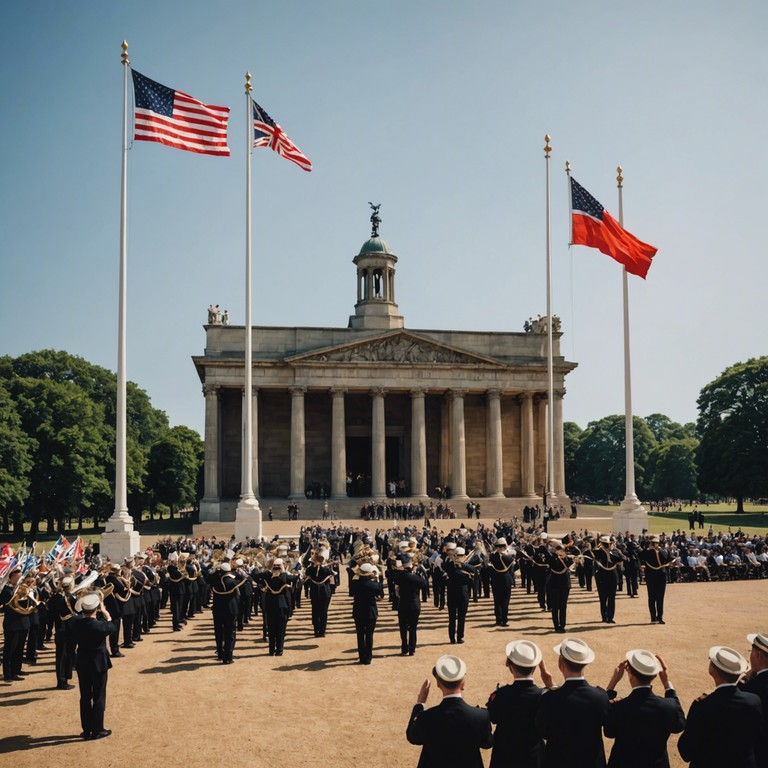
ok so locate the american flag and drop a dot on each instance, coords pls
(267, 133)
(176, 119)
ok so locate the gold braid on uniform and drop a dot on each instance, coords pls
(278, 591)
(500, 570)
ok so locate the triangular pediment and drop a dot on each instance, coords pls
(394, 348)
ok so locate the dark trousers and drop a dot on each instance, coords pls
(606, 591)
(501, 595)
(65, 655)
(13, 651)
(540, 575)
(320, 603)
(93, 699)
(32, 642)
(277, 623)
(558, 605)
(438, 590)
(127, 620)
(458, 605)
(224, 632)
(631, 572)
(657, 585)
(365, 626)
(408, 622)
(176, 602)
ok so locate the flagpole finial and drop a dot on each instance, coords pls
(568, 167)
(547, 148)
(619, 177)
(247, 82)
(124, 55)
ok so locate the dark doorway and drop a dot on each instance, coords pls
(392, 461)
(359, 465)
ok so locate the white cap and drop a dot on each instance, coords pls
(450, 669)
(460, 551)
(727, 660)
(225, 567)
(644, 662)
(89, 602)
(576, 651)
(502, 542)
(759, 640)
(173, 557)
(523, 653)
(367, 568)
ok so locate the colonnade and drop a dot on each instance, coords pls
(453, 450)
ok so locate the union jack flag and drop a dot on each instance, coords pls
(267, 133)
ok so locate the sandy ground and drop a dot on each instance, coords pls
(170, 700)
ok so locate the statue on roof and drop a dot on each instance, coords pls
(375, 219)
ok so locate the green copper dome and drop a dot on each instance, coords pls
(375, 245)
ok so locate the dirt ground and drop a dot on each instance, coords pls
(169, 699)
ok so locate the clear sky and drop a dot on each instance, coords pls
(437, 109)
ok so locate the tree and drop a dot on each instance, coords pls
(572, 436)
(675, 470)
(175, 467)
(601, 458)
(16, 450)
(733, 432)
(663, 428)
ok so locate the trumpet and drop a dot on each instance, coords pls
(23, 592)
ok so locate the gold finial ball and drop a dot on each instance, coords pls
(124, 55)
(547, 148)
(567, 166)
(247, 82)
(619, 177)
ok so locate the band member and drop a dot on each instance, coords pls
(642, 723)
(90, 635)
(319, 578)
(479, 559)
(725, 726)
(113, 604)
(513, 709)
(30, 581)
(632, 564)
(277, 604)
(572, 716)
(366, 592)
(460, 575)
(756, 681)
(501, 566)
(607, 560)
(177, 587)
(138, 580)
(540, 572)
(438, 579)
(656, 562)
(409, 586)
(192, 574)
(62, 608)
(559, 584)
(453, 732)
(15, 626)
(225, 607)
(128, 614)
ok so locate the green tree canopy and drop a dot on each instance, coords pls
(572, 436)
(175, 468)
(733, 430)
(601, 458)
(675, 470)
(16, 451)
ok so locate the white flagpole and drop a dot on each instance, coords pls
(119, 539)
(550, 379)
(632, 514)
(248, 513)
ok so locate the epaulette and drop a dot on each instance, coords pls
(702, 697)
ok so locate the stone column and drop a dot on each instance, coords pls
(559, 445)
(209, 504)
(418, 445)
(338, 445)
(540, 473)
(495, 479)
(458, 445)
(298, 484)
(378, 445)
(527, 451)
(255, 440)
(445, 443)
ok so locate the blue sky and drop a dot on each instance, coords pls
(436, 109)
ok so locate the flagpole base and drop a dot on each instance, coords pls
(631, 517)
(248, 520)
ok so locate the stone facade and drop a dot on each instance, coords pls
(376, 402)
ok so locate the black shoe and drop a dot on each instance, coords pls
(64, 687)
(85, 735)
(13, 679)
(23, 673)
(411, 653)
(661, 621)
(100, 734)
(403, 653)
(229, 661)
(117, 655)
(177, 629)
(460, 640)
(128, 645)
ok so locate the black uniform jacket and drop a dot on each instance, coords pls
(516, 742)
(451, 734)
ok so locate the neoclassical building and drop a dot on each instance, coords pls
(354, 409)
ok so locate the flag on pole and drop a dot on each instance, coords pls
(267, 133)
(176, 119)
(594, 227)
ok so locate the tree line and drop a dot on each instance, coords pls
(725, 453)
(57, 446)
